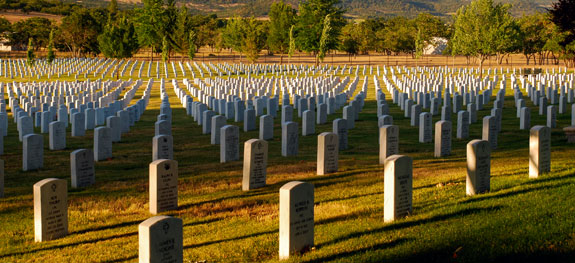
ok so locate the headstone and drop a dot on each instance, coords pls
(415, 112)
(79, 125)
(525, 120)
(478, 167)
(442, 139)
(32, 152)
(162, 147)
(321, 114)
(490, 131)
(90, 119)
(539, 151)
(163, 127)
(290, 139)
(229, 143)
(46, 119)
(57, 137)
(388, 142)
(163, 185)
(425, 130)
(102, 143)
(349, 116)
(462, 125)
(115, 125)
(207, 121)
(1, 178)
(25, 127)
(125, 117)
(50, 209)
(327, 153)
(398, 187)
(296, 222)
(340, 128)
(308, 123)
(82, 168)
(266, 127)
(551, 116)
(218, 122)
(249, 120)
(287, 113)
(161, 240)
(255, 164)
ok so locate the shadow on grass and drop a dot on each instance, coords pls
(359, 251)
(231, 239)
(83, 231)
(407, 224)
(346, 198)
(123, 259)
(508, 194)
(70, 245)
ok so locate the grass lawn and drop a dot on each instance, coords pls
(520, 219)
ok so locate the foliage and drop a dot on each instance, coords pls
(150, 25)
(192, 48)
(119, 39)
(474, 37)
(79, 32)
(165, 49)
(35, 28)
(291, 42)
(563, 15)
(282, 18)
(349, 40)
(323, 40)
(51, 56)
(310, 24)
(30, 56)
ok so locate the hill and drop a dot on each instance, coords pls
(354, 8)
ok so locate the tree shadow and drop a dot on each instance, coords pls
(99, 228)
(70, 245)
(508, 194)
(407, 224)
(230, 239)
(371, 248)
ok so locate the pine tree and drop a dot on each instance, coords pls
(51, 56)
(192, 48)
(30, 53)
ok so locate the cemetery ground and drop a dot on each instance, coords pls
(520, 219)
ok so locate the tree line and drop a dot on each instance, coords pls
(479, 31)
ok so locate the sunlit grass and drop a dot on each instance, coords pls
(521, 219)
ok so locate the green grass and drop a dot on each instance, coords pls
(521, 219)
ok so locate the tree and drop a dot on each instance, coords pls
(113, 8)
(150, 25)
(30, 54)
(348, 40)
(563, 15)
(192, 48)
(282, 18)
(232, 35)
(51, 56)
(310, 24)
(165, 49)
(182, 31)
(5, 27)
(254, 38)
(35, 28)
(79, 32)
(291, 49)
(323, 41)
(119, 39)
(475, 37)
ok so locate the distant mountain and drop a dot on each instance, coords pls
(354, 8)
